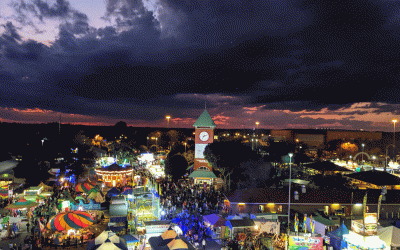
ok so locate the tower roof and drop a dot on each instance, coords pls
(204, 120)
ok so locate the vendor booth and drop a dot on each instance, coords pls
(305, 242)
(203, 176)
(215, 225)
(33, 191)
(131, 241)
(336, 237)
(156, 228)
(23, 204)
(321, 225)
(356, 241)
(113, 192)
(118, 217)
(239, 226)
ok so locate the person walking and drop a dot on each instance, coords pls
(204, 243)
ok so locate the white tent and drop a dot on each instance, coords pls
(390, 235)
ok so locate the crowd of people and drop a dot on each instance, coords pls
(195, 198)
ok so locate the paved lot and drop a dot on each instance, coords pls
(4, 244)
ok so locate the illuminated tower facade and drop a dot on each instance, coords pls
(204, 135)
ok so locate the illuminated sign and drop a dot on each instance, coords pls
(370, 222)
(305, 243)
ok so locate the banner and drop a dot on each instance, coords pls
(371, 224)
(311, 224)
(364, 208)
(305, 223)
(379, 205)
(305, 243)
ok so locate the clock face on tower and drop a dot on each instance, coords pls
(204, 136)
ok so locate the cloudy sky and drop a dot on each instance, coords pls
(284, 63)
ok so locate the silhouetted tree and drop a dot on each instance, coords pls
(256, 174)
(226, 157)
(175, 166)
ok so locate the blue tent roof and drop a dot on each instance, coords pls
(339, 232)
(127, 191)
(113, 192)
(129, 238)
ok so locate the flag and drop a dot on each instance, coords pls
(311, 223)
(305, 223)
(379, 204)
(296, 223)
(313, 227)
(4, 192)
(159, 189)
(364, 207)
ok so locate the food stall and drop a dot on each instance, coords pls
(356, 241)
(215, 225)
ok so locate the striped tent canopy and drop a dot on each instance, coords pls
(70, 220)
(4, 192)
(22, 203)
(84, 187)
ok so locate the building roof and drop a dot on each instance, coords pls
(157, 222)
(312, 196)
(325, 221)
(115, 167)
(118, 210)
(202, 174)
(204, 120)
(241, 223)
(379, 178)
(326, 166)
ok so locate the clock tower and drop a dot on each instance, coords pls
(204, 135)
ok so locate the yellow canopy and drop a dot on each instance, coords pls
(177, 244)
(169, 234)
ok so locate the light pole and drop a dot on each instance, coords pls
(387, 155)
(168, 117)
(362, 155)
(290, 182)
(185, 146)
(394, 134)
(373, 159)
(257, 123)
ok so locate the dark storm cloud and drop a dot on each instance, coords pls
(60, 8)
(285, 55)
(10, 34)
(348, 57)
(212, 23)
(29, 51)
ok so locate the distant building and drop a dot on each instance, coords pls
(352, 135)
(330, 202)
